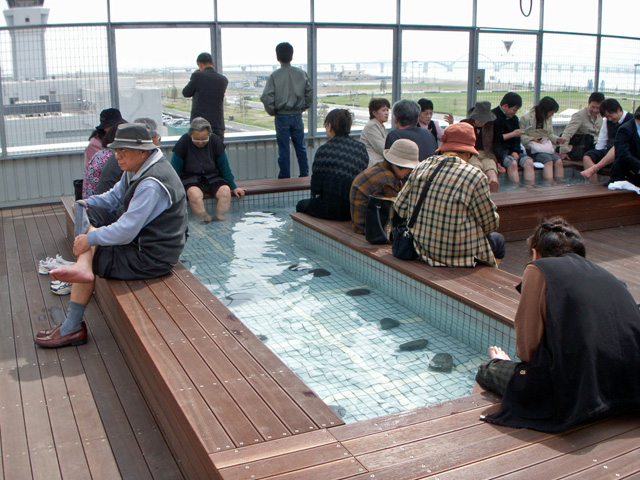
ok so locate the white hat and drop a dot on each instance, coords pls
(403, 153)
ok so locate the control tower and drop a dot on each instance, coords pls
(27, 45)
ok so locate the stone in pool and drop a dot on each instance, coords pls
(441, 362)
(320, 272)
(388, 323)
(356, 292)
(297, 267)
(236, 299)
(418, 344)
(262, 338)
(338, 410)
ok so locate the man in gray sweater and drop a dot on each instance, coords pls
(286, 95)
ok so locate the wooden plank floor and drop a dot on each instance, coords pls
(615, 249)
(70, 413)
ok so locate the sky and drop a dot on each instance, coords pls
(179, 47)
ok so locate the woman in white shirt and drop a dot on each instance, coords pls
(374, 133)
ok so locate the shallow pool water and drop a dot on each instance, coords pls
(571, 177)
(323, 323)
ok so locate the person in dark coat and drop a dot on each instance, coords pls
(207, 87)
(627, 145)
(577, 336)
(335, 165)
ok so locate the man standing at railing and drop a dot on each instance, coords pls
(286, 95)
(207, 87)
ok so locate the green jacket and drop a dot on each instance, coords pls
(288, 91)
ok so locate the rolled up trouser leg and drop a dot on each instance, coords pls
(81, 219)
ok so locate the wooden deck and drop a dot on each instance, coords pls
(78, 412)
(588, 207)
(72, 413)
(615, 249)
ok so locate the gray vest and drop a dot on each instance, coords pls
(164, 237)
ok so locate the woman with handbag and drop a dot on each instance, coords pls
(539, 139)
(453, 221)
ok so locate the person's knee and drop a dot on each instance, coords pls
(223, 193)
(498, 245)
(194, 194)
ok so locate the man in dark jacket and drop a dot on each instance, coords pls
(207, 87)
(627, 144)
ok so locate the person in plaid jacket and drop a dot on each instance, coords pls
(456, 226)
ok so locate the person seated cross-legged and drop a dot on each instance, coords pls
(134, 231)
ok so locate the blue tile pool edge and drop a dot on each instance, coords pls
(453, 317)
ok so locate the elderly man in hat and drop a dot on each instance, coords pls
(134, 231)
(384, 179)
(456, 226)
(481, 117)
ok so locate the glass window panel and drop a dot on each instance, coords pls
(52, 89)
(583, 16)
(352, 77)
(262, 11)
(152, 83)
(501, 14)
(620, 71)
(509, 62)
(618, 18)
(420, 12)
(356, 11)
(439, 74)
(162, 11)
(248, 69)
(568, 78)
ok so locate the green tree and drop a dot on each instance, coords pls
(323, 109)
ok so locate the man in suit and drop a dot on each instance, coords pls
(207, 87)
(627, 144)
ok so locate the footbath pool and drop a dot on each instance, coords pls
(344, 338)
(572, 176)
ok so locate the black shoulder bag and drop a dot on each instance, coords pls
(402, 246)
(379, 211)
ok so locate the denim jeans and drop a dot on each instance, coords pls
(291, 126)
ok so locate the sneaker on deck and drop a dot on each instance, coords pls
(60, 288)
(50, 263)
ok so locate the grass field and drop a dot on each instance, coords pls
(444, 102)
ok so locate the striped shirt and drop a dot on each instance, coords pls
(456, 216)
(378, 181)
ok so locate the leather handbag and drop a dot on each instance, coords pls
(402, 245)
(376, 220)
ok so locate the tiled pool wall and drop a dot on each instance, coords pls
(449, 315)
(267, 200)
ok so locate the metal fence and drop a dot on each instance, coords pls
(56, 77)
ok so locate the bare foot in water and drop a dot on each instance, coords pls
(497, 352)
(73, 274)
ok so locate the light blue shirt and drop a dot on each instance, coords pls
(150, 199)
